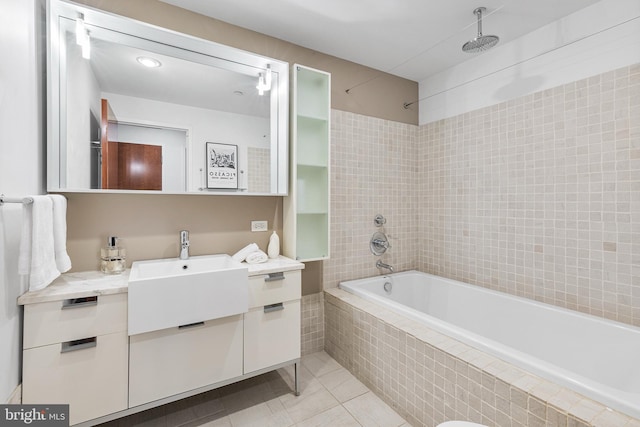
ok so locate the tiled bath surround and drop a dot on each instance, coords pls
(540, 196)
(312, 339)
(429, 378)
(537, 197)
(374, 170)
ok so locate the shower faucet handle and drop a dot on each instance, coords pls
(379, 243)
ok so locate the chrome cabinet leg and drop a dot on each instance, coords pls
(295, 379)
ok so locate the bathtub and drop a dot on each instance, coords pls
(595, 357)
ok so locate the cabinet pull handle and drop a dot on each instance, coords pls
(273, 307)
(76, 345)
(274, 277)
(79, 302)
(190, 325)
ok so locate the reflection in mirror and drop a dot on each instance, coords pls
(137, 110)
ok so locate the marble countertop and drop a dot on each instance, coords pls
(94, 283)
(273, 266)
(78, 285)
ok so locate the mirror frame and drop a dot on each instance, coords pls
(56, 112)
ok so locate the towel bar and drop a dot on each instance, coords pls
(25, 200)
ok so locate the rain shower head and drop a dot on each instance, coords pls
(480, 43)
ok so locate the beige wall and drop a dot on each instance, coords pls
(149, 225)
(383, 97)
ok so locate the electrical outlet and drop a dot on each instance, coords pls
(259, 225)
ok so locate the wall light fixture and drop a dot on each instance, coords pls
(264, 81)
(82, 36)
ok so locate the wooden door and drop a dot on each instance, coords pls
(137, 166)
(127, 166)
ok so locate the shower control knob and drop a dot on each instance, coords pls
(379, 243)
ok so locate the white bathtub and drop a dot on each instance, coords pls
(592, 356)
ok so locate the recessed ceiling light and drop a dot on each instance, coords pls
(148, 62)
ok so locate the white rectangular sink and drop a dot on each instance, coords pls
(167, 293)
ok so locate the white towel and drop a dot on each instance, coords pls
(241, 255)
(256, 257)
(37, 254)
(63, 262)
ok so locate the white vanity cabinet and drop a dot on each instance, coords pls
(75, 351)
(177, 360)
(272, 325)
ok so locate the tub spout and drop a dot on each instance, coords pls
(381, 264)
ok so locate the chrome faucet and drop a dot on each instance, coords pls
(381, 264)
(184, 243)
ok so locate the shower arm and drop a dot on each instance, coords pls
(478, 13)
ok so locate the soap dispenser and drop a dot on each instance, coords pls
(273, 250)
(112, 257)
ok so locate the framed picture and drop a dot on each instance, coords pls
(222, 165)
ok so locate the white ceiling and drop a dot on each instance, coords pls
(409, 38)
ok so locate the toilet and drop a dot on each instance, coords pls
(460, 424)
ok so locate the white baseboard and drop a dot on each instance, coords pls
(16, 397)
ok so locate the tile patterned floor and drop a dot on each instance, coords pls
(330, 396)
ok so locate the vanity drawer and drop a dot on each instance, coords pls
(175, 360)
(65, 320)
(274, 288)
(271, 335)
(90, 376)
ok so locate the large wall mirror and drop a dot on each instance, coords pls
(134, 107)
